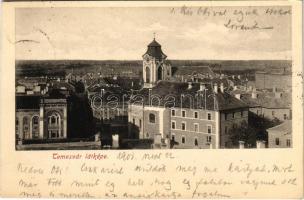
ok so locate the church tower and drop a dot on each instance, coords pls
(155, 65)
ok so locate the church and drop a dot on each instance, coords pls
(155, 65)
(176, 114)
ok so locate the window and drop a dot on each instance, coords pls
(183, 126)
(209, 129)
(133, 120)
(242, 113)
(183, 113)
(172, 112)
(140, 123)
(35, 127)
(173, 137)
(257, 112)
(288, 142)
(173, 125)
(183, 139)
(273, 113)
(195, 115)
(26, 124)
(151, 118)
(277, 141)
(208, 138)
(195, 142)
(226, 116)
(17, 124)
(226, 129)
(285, 116)
(209, 116)
(233, 115)
(196, 127)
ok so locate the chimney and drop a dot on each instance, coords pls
(238, 96)
(260, 144)
(189, 85)
(254, 95)
(202, 87)
(233, 77)
(215, 88)
(235, 87)
(239, 77)
(241, 144)
(222, 88)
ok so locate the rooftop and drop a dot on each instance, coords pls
(285, 127)
(268, 100)
(190, 97)
(154, 50)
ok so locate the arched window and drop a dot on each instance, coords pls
(17, 126)
(147, 74)
(35, 127)
(160, 73)
(26, 128)
(151, 118)
(54, 125)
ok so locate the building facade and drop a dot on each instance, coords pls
(41, 118)
(280, 136)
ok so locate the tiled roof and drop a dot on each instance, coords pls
(268, 100)
(194, 70)
(164, 89)
(285, 127)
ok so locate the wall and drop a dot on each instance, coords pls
(228, 122)
(190, 133)
(282, 136)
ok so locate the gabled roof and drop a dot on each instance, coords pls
(285, 127)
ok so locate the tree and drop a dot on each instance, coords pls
(245, 133)
(255, 129)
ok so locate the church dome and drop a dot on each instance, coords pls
(154, 50)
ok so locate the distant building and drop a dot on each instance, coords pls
(270, 104)
(269, 79)
(280, 136)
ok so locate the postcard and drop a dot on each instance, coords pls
(152, 100)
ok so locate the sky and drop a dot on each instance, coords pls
(118, 33)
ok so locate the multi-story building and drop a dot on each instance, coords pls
(181, 114)
(269, 104)
(190, 115)
(40, 117)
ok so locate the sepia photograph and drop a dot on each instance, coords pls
(151, 100)
(187, 77)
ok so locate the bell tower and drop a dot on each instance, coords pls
(155, 65)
